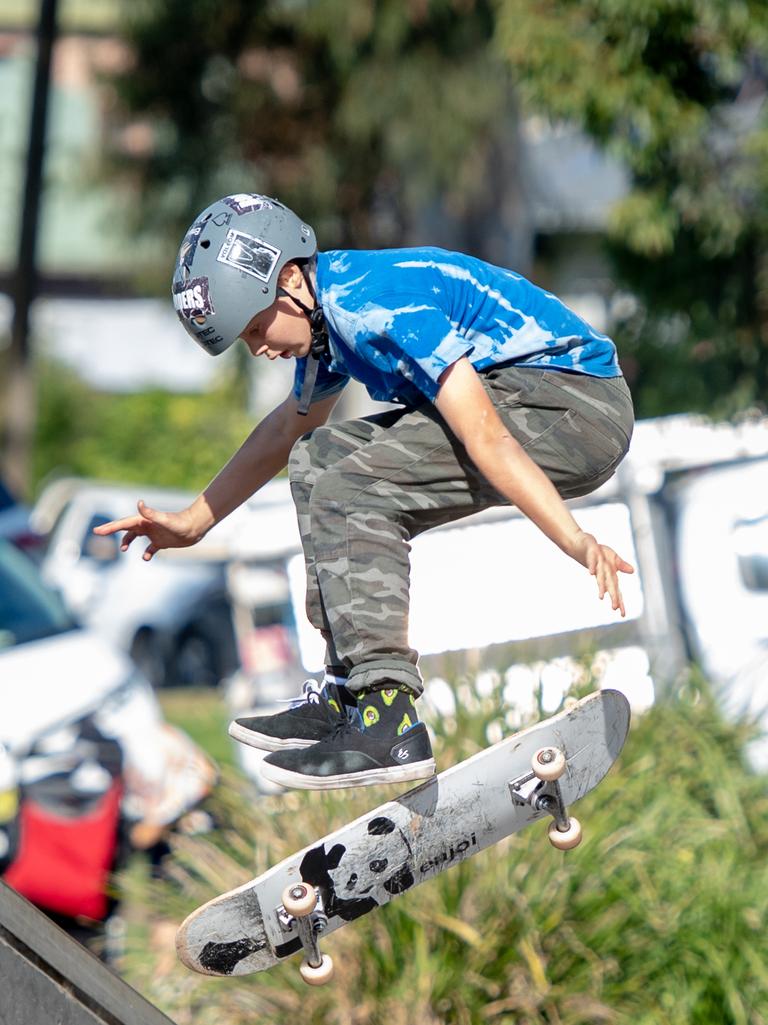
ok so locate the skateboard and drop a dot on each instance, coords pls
(532, 775)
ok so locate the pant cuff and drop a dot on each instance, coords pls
(368, 675)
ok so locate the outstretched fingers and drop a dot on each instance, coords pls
(623, 566)
(611, 586)
(134, 526)
(115, 526)
(130, 536)
(604, 565)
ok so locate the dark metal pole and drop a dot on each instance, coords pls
(19, 402)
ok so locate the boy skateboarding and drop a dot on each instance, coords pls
(503, 395)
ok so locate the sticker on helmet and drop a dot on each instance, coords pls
(192, 299)
(189, 243)
(247, 202)
(210, 344)
(251, 255)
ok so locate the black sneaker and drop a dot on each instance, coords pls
(313, 716)
(351, 757)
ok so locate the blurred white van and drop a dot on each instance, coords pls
(172, 616)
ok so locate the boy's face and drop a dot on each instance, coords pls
(282, 329)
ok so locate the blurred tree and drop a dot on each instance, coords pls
(356, 114)
(19, 398)
(677, 90)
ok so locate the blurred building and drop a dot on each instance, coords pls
(85, 246)
(89, 313)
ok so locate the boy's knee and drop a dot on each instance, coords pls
(328, 491)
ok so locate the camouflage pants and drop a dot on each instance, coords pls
(363, 488)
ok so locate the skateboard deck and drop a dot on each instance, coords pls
(410, 839)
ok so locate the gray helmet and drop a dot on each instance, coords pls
(228, 264)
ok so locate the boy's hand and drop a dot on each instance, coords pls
(605, 565)
(162, 529)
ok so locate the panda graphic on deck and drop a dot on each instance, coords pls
(354, 886)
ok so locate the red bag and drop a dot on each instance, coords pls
(63, 863)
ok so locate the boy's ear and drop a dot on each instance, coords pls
(290, 276)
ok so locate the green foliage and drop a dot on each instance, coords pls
(660, 917)
(667, 87)
(322, 103)
(675, 89)
(153, 437)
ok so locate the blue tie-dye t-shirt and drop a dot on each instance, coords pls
(397, 318)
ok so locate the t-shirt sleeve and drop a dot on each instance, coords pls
(417, 340)
(328, 382)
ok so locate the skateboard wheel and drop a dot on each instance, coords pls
(317, 976)
(567, 839)
(299, 899)
(548, 763)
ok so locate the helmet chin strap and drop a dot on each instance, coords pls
(319, 346)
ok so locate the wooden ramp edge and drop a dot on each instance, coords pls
(48, 977)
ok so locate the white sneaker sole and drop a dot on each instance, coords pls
(392, 774)
(263, 742)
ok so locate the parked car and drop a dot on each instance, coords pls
(15, 523)
(173, 616)
(86, 756)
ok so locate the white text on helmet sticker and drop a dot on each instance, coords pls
(192, 299)
(247, 202)
(248, 254)
(189, 245)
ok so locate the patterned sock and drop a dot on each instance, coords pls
(348, 702)
(387, 712)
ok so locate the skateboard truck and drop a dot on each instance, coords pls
(302, 907)
(547, 766)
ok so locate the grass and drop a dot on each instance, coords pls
(201, 713)
(660, 917)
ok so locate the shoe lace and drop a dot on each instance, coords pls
(316, 693)
(342, 728)
(311, 693)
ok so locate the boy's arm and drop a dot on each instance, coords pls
(469, 412)
(262, 455)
